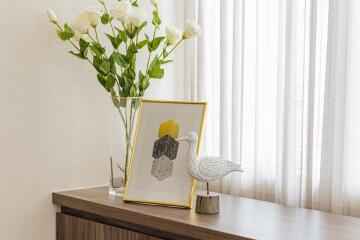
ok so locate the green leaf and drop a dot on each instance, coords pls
(97, 48)
(135, 4)
(155, 60)
(132, 49)
(121, 81)
(115, 41)
(101, 79)
(141, 76)
(110, 82)
(165, 53)
(127, 86)
(154, 44)
(120, 59)
(156, 18)
(133, 91)
(166, 61)
(129, 73)
(144, 85)
(124, 61)
(83, 47)
(105, 18)
(79, 55)
(63, 35)
(141, 44)
(112, 67)
(66, 34)
(83, 44)
(105, 67)
(116, 101)
(96, 62)
(143, 82)
(138, 29)
(131, 34)
(155, 70)
(68, 30)
(122, 34)
(142, 25)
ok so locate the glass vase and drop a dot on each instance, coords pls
(123, 119)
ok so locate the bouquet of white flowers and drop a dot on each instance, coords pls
(116, 68)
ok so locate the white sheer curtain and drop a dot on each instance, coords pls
(283, 85)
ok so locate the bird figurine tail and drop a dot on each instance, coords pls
(238, 168)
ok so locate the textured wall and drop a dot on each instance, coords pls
(53, 114)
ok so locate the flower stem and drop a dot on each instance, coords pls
(129, 147)
(148, 60)
(127, 142)
(96, 41)
(177, 44)
(111, 172)
(72, 43)
(96, 35)
(111, 25)
(126, 39)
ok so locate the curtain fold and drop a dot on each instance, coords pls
(280, 79)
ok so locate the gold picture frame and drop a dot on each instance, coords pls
(188, 203)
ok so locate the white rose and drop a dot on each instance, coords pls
(121, 10)
(93, 14)
(192, 29)
(82, 23)
(78, 35)
(173, 34)
(94, 18)
(128, 26)
(51, 15)
(136, 17)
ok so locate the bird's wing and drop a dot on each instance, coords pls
(213, 166)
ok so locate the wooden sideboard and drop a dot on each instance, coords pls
(91, 214)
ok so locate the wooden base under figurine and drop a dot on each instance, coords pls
(207, 203)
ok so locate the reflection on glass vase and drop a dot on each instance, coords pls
(123, 118)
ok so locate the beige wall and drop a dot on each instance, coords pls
(53, 122)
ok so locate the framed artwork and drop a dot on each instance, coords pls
(158, 169)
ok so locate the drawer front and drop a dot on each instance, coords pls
(74, 228)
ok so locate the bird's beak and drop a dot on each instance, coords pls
(181, 139)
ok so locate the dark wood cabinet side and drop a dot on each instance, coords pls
(74, 228)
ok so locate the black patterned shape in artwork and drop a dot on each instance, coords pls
(167, 146)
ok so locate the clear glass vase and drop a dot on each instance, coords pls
(123, 118)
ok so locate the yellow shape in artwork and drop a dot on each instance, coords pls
(169, 127)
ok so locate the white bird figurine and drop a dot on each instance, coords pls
(206, 169)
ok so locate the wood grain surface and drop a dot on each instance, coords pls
(74, 228)
(239, 218)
